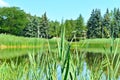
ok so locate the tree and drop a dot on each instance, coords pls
(69, 28)
(44, 26)
(106, 24)
(94, 25)
(12, 20)
(32, 28)
(37, 27)
(79, 27)
(117, 22)
(54, 29)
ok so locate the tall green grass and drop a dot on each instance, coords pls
(10, 40)
(96, 45)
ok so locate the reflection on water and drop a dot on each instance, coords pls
(85, 75)
(119, 78)
(86, 72)
(59, 73)
(103, 77)
(13, 52)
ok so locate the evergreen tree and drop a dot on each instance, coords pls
(106, 24)
(79, 27)
(115, 19)
(32, 29)
(44, 26)
(117, 23)
(69, 28)
(54, 28)
(94, 25)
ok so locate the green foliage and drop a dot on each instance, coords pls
(32, 29)
(115, 23)
(54, 29)
(106, 24)
(12, 20)
(69, 28)
(44, 26)
(80, 26)
(37, 27)
(15, 21)
(43, 64)
(74, 28)
(94, 25)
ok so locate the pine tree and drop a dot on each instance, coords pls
(94, 25)
(115, 23)
(44, 26)
(106, 24)
(80, 27)
(54, 28)
(68, 29)
(32, 29)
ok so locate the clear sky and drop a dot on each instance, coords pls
(58, 9)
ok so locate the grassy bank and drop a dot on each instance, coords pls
(10, 40)
(90, 45)
(98, 45)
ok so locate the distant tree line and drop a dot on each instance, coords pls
(15, 21)
(104, 26)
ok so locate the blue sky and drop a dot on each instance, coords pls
(58, 9)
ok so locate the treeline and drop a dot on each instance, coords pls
(105, 26)
(15, 21)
